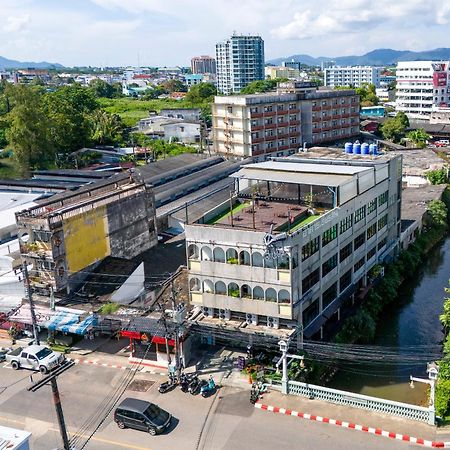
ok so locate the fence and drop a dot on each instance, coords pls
(379, 405)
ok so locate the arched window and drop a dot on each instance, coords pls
(208, 286)
(195, 285)
(221, 288)
(284, 296)
(271, 295)
(244, 258)
(193, 252)
(219, 255)
(246, 291)
(233, 290)
(257, 259)
(232, 256)
(206, 254)
(258, 293)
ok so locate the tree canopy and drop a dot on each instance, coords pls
(262, 86)
(394, 127)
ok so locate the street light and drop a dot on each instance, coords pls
(432, 371)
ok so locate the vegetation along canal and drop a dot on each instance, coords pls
(410, 326)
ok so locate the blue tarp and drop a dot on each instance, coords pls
(70, 323)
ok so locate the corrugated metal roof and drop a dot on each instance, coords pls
(295, 166)
(317, 179)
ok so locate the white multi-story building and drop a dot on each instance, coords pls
(422, 86)
(354, 76)
(240, 60)
(203, 64)
(302, 235)
(278, 123)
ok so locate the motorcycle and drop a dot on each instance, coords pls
(168, 385)
(184, 382)
(194, 385)
(208, 388)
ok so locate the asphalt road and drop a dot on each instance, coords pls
(226, 421)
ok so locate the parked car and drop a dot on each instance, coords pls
(142, 415)
(35, 357)
(442, 143)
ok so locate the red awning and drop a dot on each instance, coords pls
(161, 340)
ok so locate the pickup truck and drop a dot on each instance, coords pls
(35, 357)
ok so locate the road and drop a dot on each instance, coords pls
(226, 421)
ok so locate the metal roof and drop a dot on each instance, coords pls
(316, 179)
(306, 167)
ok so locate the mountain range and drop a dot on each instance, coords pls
(378, 57)
(12, 64)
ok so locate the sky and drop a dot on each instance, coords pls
(170, 32)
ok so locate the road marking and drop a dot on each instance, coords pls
(97, 439)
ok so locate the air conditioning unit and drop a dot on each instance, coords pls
(273, 322)
(251, 319)
(224, 314)
(208, 312)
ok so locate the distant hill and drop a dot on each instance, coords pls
(12, 64)
(378, 57)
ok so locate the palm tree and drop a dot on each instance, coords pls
(419, 137)
(106, 127)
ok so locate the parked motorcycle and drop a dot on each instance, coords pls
(184, 382)
(208, 388)
(194, 385)
(168, 385)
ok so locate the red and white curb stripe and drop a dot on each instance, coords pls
(339, 423)
(95, 362)
(98, 363)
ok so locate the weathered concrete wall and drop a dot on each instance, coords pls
(131, 225)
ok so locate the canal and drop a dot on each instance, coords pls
(411, 327)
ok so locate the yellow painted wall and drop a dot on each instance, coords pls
(86, 239)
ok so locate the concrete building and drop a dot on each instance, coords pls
(280, 123)
(193, 79)
(282, 72)
(185, 132)
(301, 237)
(66, 236)
(190, 114)
(203, 64)
(440, 115)
(14, 439)
(240, 60)
(422, 86)
(354, 76)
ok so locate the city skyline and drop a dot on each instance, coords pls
(153, 32)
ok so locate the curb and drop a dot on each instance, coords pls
(94, 362)
(339, 423)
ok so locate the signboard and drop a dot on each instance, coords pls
(274, 245)
(440, 79)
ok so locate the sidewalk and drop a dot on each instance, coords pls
(354, 418)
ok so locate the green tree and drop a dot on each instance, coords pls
(260, 86)
(101, 88)
(437, 211)
(392, 129)
(29, 133)
(367, 94)
(419, 137)
(438, 176)
(201, 92)
(402, 118)
(173, 86)
(107, 128)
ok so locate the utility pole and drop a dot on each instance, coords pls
(56, 399)
(30, 300)
(177, 318)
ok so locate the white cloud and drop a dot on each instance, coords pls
(16, 23)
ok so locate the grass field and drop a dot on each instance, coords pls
(131, 110)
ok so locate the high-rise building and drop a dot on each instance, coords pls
(240, 60)
(278, 123)
(354, 76)
(422, 86)
(203, 64)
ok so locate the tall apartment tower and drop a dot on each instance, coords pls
(240, 60)
(203, 64)
(422, 87)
